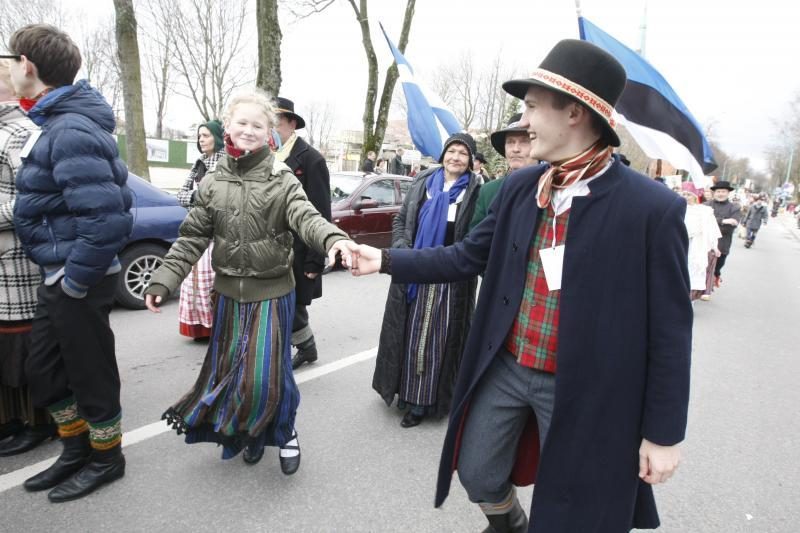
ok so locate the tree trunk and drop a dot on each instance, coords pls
(128, 51)
(375, 127)
(269, 46)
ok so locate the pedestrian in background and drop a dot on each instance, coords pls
(703, 232)
(513, 143)
(479, 167)
(72, 215)
(728, 215)
(369, 163)
(397, 166)
(194, 310)
(28, 426)
(310, 169)
(246, 397)
(425, 326)
(757, 214)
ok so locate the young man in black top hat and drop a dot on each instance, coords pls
(310, 169)
(576, 369)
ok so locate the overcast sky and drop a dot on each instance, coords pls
(732, 63)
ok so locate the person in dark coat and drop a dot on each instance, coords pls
(576, 370)
(397, 166)
(310, 169)
(728, 215)
(756, 215)
(72, 216)
(369, 163)
(423, 334)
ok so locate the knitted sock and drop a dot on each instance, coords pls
(502, 507)
(106, 435)
(65, 415)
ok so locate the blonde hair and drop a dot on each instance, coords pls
(257, 97)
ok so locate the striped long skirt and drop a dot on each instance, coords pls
(426, 337)
(246, 393)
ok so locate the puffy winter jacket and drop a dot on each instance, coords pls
(247, 206)
(72, 212)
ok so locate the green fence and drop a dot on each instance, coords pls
(164, 152)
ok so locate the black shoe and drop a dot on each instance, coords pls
(9, 429)
(306, 353)
(411, 419)
(513, 521)
(251, 456)
(289, 465)
(76, 454)
(748, 244)
(104, 468)
(28, 439)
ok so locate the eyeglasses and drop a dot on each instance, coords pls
(11, 56)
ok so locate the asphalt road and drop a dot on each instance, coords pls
(362, 472)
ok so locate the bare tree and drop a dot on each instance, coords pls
(210, 37)
(18, 13)
(101, 63)
(319, 124)
(374, 124)
(128, 51)
(159, 54)
(269, 46)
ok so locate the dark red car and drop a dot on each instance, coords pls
(364, 205)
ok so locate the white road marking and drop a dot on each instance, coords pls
(18, 477)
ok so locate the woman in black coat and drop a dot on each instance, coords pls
(425, 326)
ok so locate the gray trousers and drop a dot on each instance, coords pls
(498, 411)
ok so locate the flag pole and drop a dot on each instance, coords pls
(578, 7)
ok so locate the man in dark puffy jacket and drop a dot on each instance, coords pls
(72, 216)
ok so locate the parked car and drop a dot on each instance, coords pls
(156, 219)
(364, 205)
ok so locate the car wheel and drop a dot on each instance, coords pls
(138, 264)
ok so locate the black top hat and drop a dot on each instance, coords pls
(583, 71)
(479, 157)
(498, 137)
(460, 138)
(286, 107)
(722, 185)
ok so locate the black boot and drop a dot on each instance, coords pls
(252, 454)
(74, 457)
(513, 521)
(104, 467)
(306, 353)
(28, 439)
(9, 429)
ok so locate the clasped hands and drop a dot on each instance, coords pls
(360, 259)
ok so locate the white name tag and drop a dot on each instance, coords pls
(553, 263)
(26, 150)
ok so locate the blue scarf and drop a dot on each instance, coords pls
(432, 221)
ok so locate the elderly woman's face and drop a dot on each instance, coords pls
(206, 140)
(456, 159)
(248, 127)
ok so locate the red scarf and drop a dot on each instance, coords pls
(234, 152)
(562, 175)
(27, 103)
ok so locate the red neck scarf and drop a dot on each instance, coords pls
(234, 152)
(27, 103)
(572, 170)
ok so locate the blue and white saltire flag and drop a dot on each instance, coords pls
(430, 122)
(653, 113)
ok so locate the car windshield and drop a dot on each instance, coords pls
(342, 186)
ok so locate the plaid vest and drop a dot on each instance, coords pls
(533, 338)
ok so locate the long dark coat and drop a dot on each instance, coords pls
(723, 210)
(310, 169)
(624, 342)
(391, 348)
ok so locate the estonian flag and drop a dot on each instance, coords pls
(429, 121)
(653, 113)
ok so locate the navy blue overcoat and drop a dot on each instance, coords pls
(624, 341)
